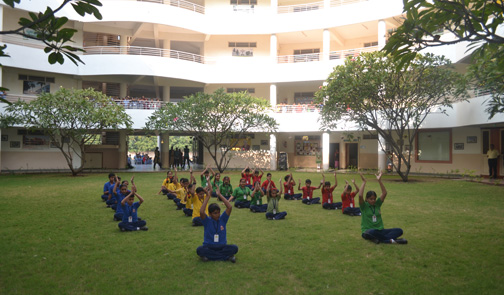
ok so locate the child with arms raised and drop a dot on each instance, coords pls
(327, 194)
(274, 196)
(348, 200)
(289, 188)
(215, 245)
(256, 204)
(308, 198)
(371, 222)
(226, 188)
(130, 220)
(241, 195)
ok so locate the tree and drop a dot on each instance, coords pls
(71, 118)
(216, 120)
(139, 144)
(475, 21)
(371, 91)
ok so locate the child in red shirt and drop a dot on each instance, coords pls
(245, 174)
(308, 192)
(268, 180)
(347, 198)
(256, 177)
(289, 189)
(327, 196)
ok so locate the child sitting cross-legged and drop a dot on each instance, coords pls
(348, 200)
(327, 194)
(241, 195)
(130, 220)
(256, 204)
(274, 196)
(308, 198)
(197, 201)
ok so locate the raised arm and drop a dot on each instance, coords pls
(356, 187)
(281, 187)
(140, 199)
(335, 181)
(346, 186)
(262, 172)
(203, 207)
(383, 189)
(361, 192)
(291, 179)
(243, 171)
(211, 171)
(127, 197)
(203, 172)
(299, 185)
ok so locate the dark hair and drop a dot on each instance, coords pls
(199, 190)
(184, 180)
(269, 174)
(111, 175)
(226, 177)
(327, 183)
(370, 194)
(286, 177)
(213, 207)
(190, 186)
(123, 185)
(349, 187)
(167, 172)
(308, 181)
(247, 170)
(256, 171)
(257, 183)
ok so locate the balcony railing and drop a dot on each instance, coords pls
(299, 58)
(335, 3)
(342, 54)
(149, 51)
(299, 108)
(301, 7)
(179, 3)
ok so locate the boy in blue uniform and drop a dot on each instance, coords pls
(215, 245)
(106, 186)
(130, 220)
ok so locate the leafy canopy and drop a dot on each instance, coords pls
(371, 91)
(75, 115)
(215, 119)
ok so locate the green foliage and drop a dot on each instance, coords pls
(139, 144)
(215, 119)
(70, 114)
(371, 91)
(452, 228)
(474, 21)
(51, 31)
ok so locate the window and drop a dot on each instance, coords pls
(486, 141)
(242, 44)
(304, 97)
(370, 136)
(371, 44)
(34, 85)
(306, 55)
(243, 2)
(434, 146)
(235, 90)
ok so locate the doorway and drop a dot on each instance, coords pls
(352, 155)
(495, 137)
(334, 161)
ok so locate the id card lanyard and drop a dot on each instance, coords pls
(216, 235)
(244, 195)
(373, 208)
(275, 202)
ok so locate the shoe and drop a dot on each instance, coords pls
(204, 259)
(108, 206)
(269, 218)
(401, 241)
(115, 219)
(139, 219)
(253, 211)
(144, 228)
(232, 259)
(371, 238)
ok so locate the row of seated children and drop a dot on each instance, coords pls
(121, 200)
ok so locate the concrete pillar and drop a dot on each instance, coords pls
(274, 6)
(382, 34)
(273, 95)
(325, 151)
(165, 150)
(123, 42)
(166, 93)
(123, 90)
(273, 48)
(273, 152)
(382, 156)
(123, 149)
(326, 44)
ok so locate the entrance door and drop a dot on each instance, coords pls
(495, 137)
(334, 161)
(352, 155)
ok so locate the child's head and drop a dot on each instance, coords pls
(327, 184)
(111, 176)
(226, 180)
(268, 176)
(348, 189)
(206, 173)
(200, 192)
(126, 183)
(308, 182)
(286, 177)
(214, 211)
(124, 189)
(169, 174)
(371, 197)
(130, 200)
(184, 182)
(242, 182)
(273, 192)
(256, 173)
(217, 176)
(247, 170)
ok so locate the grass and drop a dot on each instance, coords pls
(58, 238)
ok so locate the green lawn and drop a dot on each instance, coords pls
(58, 238)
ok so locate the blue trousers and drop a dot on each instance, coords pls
(293, 197)
(242, 204)
(131, 226)
(110, 202)
(118, 216)
(217, 252)
(280, 215)
(311, 201)
(332, 206)
(104, 197)
(349, 210)
(188, 212)
(171, 196)
(259, 208)
(383, 235)
(197, 221)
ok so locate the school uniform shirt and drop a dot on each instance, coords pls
(216, 184)
(181, 193)
(175, 187)
(347, 200)
(197, 203)
(273, 204)
(265, 184)
(119, 197)
(167, 181)
(106, 186)
(130, 211)
(215, 227)
(367, 216)
(247, 177)
(308, 191)
(226, 190)
(203, 180)
(240, 193)
(288, 188)
(327, 196)
(189, 204)
(256, 179)
(256, 199)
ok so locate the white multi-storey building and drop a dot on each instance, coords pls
(280, 50)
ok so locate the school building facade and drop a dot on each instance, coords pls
(279, 50)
